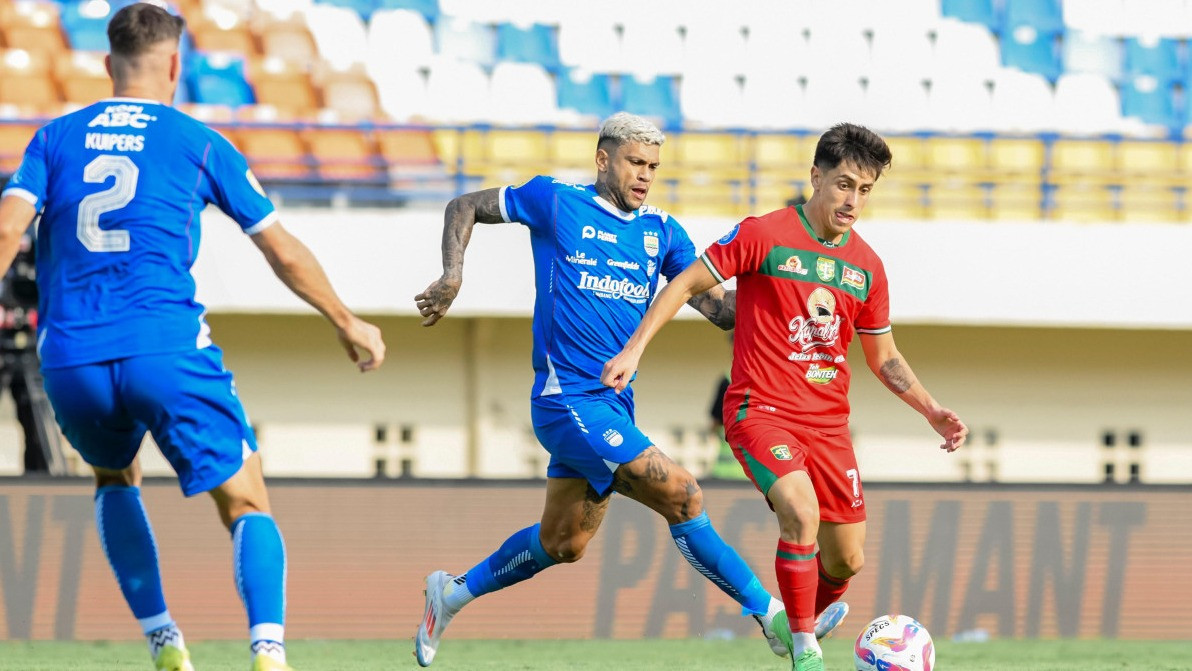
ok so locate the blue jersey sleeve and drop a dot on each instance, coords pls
(29, 181)
(235, 189)
(680, 253)
(530, 204)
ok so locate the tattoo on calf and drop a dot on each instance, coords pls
(896, 376)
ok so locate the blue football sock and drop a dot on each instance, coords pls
(519, 558)
(260, 562)
(711, 556)
(127, 540)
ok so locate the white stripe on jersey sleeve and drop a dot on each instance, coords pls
(501, 204)
(712, 268)
(261, 225)
(24, 195)
(885, 329)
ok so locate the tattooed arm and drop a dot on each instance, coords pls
(461, 215)
(718, 306)
(888, 365)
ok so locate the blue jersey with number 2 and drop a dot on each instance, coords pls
(596, 269)
(120, 186)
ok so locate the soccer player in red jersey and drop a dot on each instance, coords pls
(806, 281)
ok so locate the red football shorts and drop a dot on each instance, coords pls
(768, 450)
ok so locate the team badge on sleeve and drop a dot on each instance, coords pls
(728, 237)
(781, 452)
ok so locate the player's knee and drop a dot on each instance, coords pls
(845, 566)
(566, 551)
(797, 519)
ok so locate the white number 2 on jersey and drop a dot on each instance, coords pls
(115, 197)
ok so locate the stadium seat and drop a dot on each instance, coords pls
(788, 154)
(339, 35)
(713, 46)
(399, 39)
(700, 195)
(901, 53)
(14, 137)
(401, 94)
(959, 104)
(955, 156)
(1087, 104)
(847, 44)
(771, 100)
(344, 154)
(1152, 102)
(589, 44)
(1157, 58)
(587, 94)
(1045, 16)
(965, 49)
(830, 100)
(655, 98)
(464, 40)
(534, 43)
(25, 81)
(363, 8)
(1030, 50)
(573, 154)
(1149, 202)
(711, 99)
(350, 94)
(521, 94)
(708, 158)
(897, 105)
(776, 50)
(219, 79)
(1082, 201)
(649, 50)
(32, 27)
(1018, 200)
(957, 199)
(275, 154)
(971, 11)
(82, 76)
(1016, 159)
(429, 9)
(1153, 162)
(288, 40)
(223, 31)
(909, 159)
(285, 87)
(1092, 52)
(910, 16)
(1091, 161)
(1021, 102)
(457, 92)
(895, 199)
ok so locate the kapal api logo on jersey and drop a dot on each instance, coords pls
(817, 374)
(590, 232)
(825, 268)
(853, 278)
(120, 116)
(781, 452)
(650, 242)
(793, 265)
(613, 437)
(822, 327)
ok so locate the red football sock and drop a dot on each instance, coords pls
(830, 588)
(795, 566)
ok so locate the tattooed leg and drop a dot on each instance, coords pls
(661, 485)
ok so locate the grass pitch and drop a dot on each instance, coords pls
(688, 655)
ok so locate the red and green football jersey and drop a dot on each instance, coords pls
(799, 301)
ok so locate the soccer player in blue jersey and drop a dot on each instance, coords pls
(125, 347)
(598, 253)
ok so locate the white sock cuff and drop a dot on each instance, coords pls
(155, 622)
(267, 631)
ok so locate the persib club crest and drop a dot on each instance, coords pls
(825, 268)
(650, 242)
(781, 452)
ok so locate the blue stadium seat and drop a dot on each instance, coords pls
(1155, 58)
(656, 98)
(84, 30)
(1092, 52)
(218, 79)
(364, 8)
(1151, 101)
(1032, 51)
(972, 11)
(1045, 16)
(592, 96)
(532, 44)
(429, 9)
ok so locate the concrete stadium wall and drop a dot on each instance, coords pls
(1015, 561)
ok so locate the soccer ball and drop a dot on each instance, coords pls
(894, 643)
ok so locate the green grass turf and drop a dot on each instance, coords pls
(687, 655)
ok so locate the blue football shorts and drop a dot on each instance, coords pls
(588, 434)
(186, 400)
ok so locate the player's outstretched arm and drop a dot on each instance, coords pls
(718, 306)
(888, 365)
(298, 269)
(15, 216)
(619, 370)
(461, 215)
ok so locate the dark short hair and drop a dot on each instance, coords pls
(137, 27)
(856, 144)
